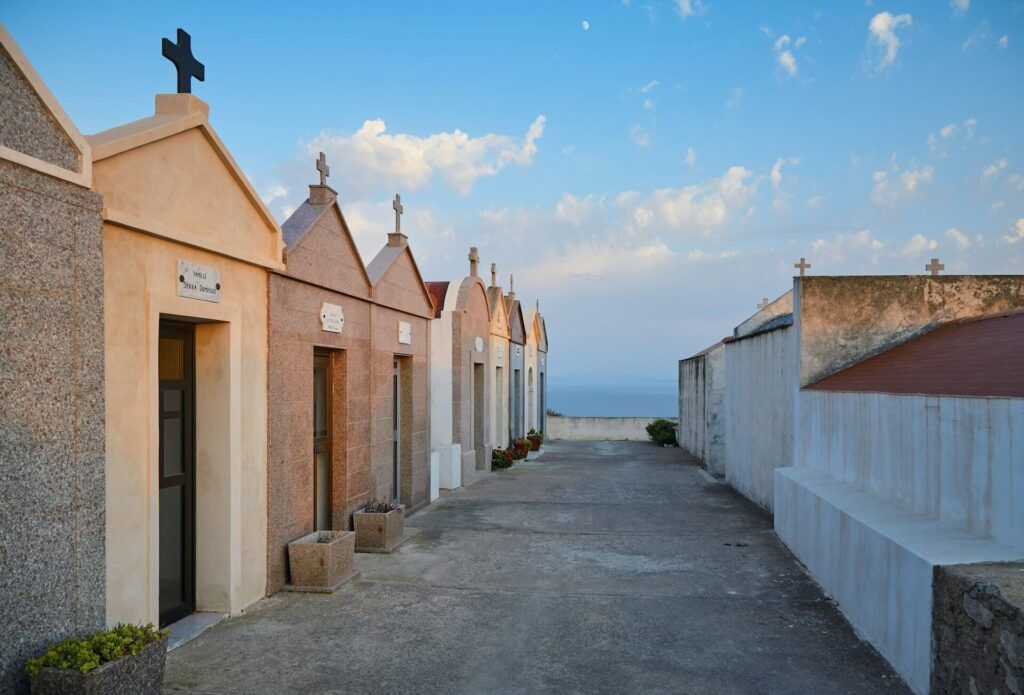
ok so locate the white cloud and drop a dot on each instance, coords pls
(977, 37)
(1016, 181)
(780, 201)
(586, 25)
(845, 248)
(960, 6)
(992, 171)
(1018, 235)
(882, 35)
(649, 86)
(917, 245)
(784, 56)
(372, 158)
(947, 131)
(958, 238)
(568, 150)
(273, 193)
(815, 202)
(691, 157)
(648, 104)
(690, 8)
(890, 190)
(640, 136)
(574, 210)
(702, 208)
(970, 125)
(735, 98)
(1004, 41)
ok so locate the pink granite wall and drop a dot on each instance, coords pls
(471, 320)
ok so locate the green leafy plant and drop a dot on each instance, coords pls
(89, 652)
(520, 448)
(375, 507)
(554, 413)
(662, 431)
(501, 458)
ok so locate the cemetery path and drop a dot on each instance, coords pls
(602, 567)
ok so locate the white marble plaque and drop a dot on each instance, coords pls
(479, 344)
(332, 317)
(405, 333)
(198, 282)
(501, 351)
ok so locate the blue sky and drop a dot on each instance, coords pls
(649, 170)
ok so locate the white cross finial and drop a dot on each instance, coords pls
(764, 303)
(935, 266)
(325, 171)
(802, 265)
(511, 284)
(397, 206)
(494, 274)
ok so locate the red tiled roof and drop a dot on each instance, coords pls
(982, 356)
(437, 292)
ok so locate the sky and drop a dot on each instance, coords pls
(648, 170)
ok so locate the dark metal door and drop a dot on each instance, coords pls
(395, 434)
(176, 359)
(321, 442)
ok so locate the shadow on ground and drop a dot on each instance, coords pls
(602, 567)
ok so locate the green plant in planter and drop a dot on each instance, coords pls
(375, 507)
(662, 431)
(535, 438)
(501, 458)
(89, 652)
(520, 448)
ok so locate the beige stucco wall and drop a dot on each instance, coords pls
(470, 320)
(498, 352)
(157, 191)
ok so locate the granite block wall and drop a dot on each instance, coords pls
(52, 438)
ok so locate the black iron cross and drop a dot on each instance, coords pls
(181, 55)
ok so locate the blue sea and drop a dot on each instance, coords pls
(614, 397)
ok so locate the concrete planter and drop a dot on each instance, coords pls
(535, 443)
(321, 566)
(379, 533)
(138, 673)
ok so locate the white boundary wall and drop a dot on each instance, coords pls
(600, 428)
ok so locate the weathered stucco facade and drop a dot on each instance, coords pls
(536, 370)
(51, 375)
(324, 272)
(399, 365)
(702, 407)
(499, 358)
(516, 368)
(173, 194)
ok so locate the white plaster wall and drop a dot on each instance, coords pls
(692, 422)
(714, 410)
(946, 457)
(761, 372)
(441, 381)
(499, 403)
(599, 428)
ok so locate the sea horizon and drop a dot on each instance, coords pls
(587, 396)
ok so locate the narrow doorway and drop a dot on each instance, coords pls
(517, 404)
(396, 431)
(532, 403)
(499, 404)
(543, 410)
(478, 416)
(321, 440)
(176, 404)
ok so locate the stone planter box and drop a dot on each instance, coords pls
(379, 533)
(319, 566)
(535, 443)
(137, 673)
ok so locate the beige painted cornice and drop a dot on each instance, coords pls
(196, 241)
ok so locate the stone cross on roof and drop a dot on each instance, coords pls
(764, 303)
(494, 274)
(511, 284)
(474, 259)
(397, 206)
(325, 171)
(935, 266)
(802, 266)
(181, 55)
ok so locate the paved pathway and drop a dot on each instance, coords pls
(604, 567)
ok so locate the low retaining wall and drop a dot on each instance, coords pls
(600, 428)
(978, 629)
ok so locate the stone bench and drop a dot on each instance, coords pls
(876, 559)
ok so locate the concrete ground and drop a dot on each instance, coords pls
(602, 567)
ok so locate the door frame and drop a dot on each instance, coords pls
(178, 329)
(323, 356)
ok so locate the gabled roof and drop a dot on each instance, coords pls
(305, 217)
(516, 323)
(536, 329)
(499, 312)
(178, 113)
(82, 174)
(981, 357)
(386, 258)
(708, 349)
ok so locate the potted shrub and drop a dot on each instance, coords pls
(127, 659)
(536, 439)
(380, 527)
(321, 561)
(501, 458)
(662, 432)
(520, 448)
